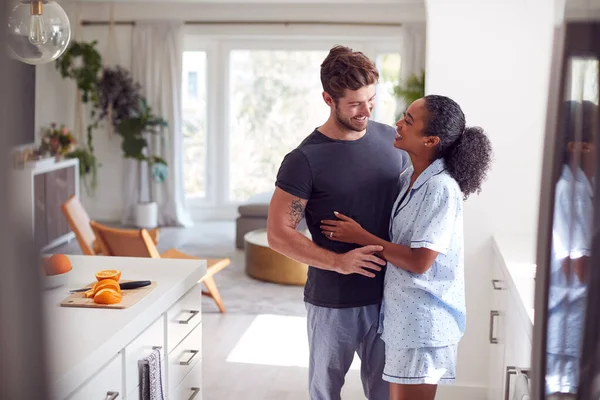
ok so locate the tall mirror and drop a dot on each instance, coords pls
(572, 224)
(566, 248)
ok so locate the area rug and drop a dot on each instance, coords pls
(242, 294)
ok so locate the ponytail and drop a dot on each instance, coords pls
(468, 160)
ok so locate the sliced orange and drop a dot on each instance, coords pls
(108, 274)
(107, 296)
(89, 294)
(106, 283)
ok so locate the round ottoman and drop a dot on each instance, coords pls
(266, 264)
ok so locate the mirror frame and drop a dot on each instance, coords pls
(571, 39)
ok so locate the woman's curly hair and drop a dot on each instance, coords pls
(467, 151)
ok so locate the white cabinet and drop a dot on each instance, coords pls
(517, 356)
(497, 333)
(106, 384)
(120, 379)
(510, 331)
(39, 189)
(153, 337)
(97, 351)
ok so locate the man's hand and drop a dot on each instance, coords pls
(359, 261)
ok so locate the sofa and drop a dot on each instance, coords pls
(253, 215)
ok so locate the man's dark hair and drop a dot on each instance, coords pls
(346, 69)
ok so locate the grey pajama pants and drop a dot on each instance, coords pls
(334, 335)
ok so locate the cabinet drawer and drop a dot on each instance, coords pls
(191, 386)
(106, 384)
(184, 357)
(140, 347)
(184, 316)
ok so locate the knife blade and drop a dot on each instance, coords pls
(124, 286)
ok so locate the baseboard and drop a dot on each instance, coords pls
(461, 392)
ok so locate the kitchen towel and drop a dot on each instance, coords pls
(152, 376)
(521, 388)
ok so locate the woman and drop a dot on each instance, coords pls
(423, 298)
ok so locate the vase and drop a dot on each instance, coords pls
(146, 215)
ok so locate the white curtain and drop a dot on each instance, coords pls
(157, 65)
(412, 54)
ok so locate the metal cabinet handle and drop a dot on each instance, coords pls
(189, 360)
(493, 313)
(510, 370)
(195, 392)
(495, 282)
(111, 395)
(187, 321)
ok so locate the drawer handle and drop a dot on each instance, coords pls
(494, 282)
(189, 360)
(111, 395)
(493, 313)
(187, 321)
(195, 392)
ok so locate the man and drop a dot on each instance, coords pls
(348, 165)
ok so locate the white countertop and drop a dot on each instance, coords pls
(519, 266)
(81, 340)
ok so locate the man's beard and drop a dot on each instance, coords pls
(350, 124)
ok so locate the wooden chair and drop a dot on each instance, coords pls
(138, 243)
(79, 221)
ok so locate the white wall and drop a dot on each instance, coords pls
(55, 96)
(493, 58)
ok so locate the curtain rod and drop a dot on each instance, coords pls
(285, 23)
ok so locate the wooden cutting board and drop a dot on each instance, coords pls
(130, 297)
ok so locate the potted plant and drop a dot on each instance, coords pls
(135, 131)
(410, 89)
(57, 141)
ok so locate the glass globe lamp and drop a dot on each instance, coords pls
(38, 31)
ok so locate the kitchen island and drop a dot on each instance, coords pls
(93, 353)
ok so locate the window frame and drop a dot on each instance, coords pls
(217, 204)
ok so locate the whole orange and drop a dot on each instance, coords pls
(58, 264)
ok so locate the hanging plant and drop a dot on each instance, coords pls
(83, 63)
(119, 95)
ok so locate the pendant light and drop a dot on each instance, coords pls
(38, 31)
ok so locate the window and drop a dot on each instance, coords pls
(274, 102)
(194, 114)
(386, 108)
(192, 84)
(585, 81)
(246, 103)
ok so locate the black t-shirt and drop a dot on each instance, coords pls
(358, 178)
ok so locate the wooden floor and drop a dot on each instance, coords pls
(260, 358)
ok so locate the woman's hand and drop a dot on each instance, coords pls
(344, 230)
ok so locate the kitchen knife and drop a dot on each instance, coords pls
(124, 286)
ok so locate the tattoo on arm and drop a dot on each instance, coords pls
(296, 212)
